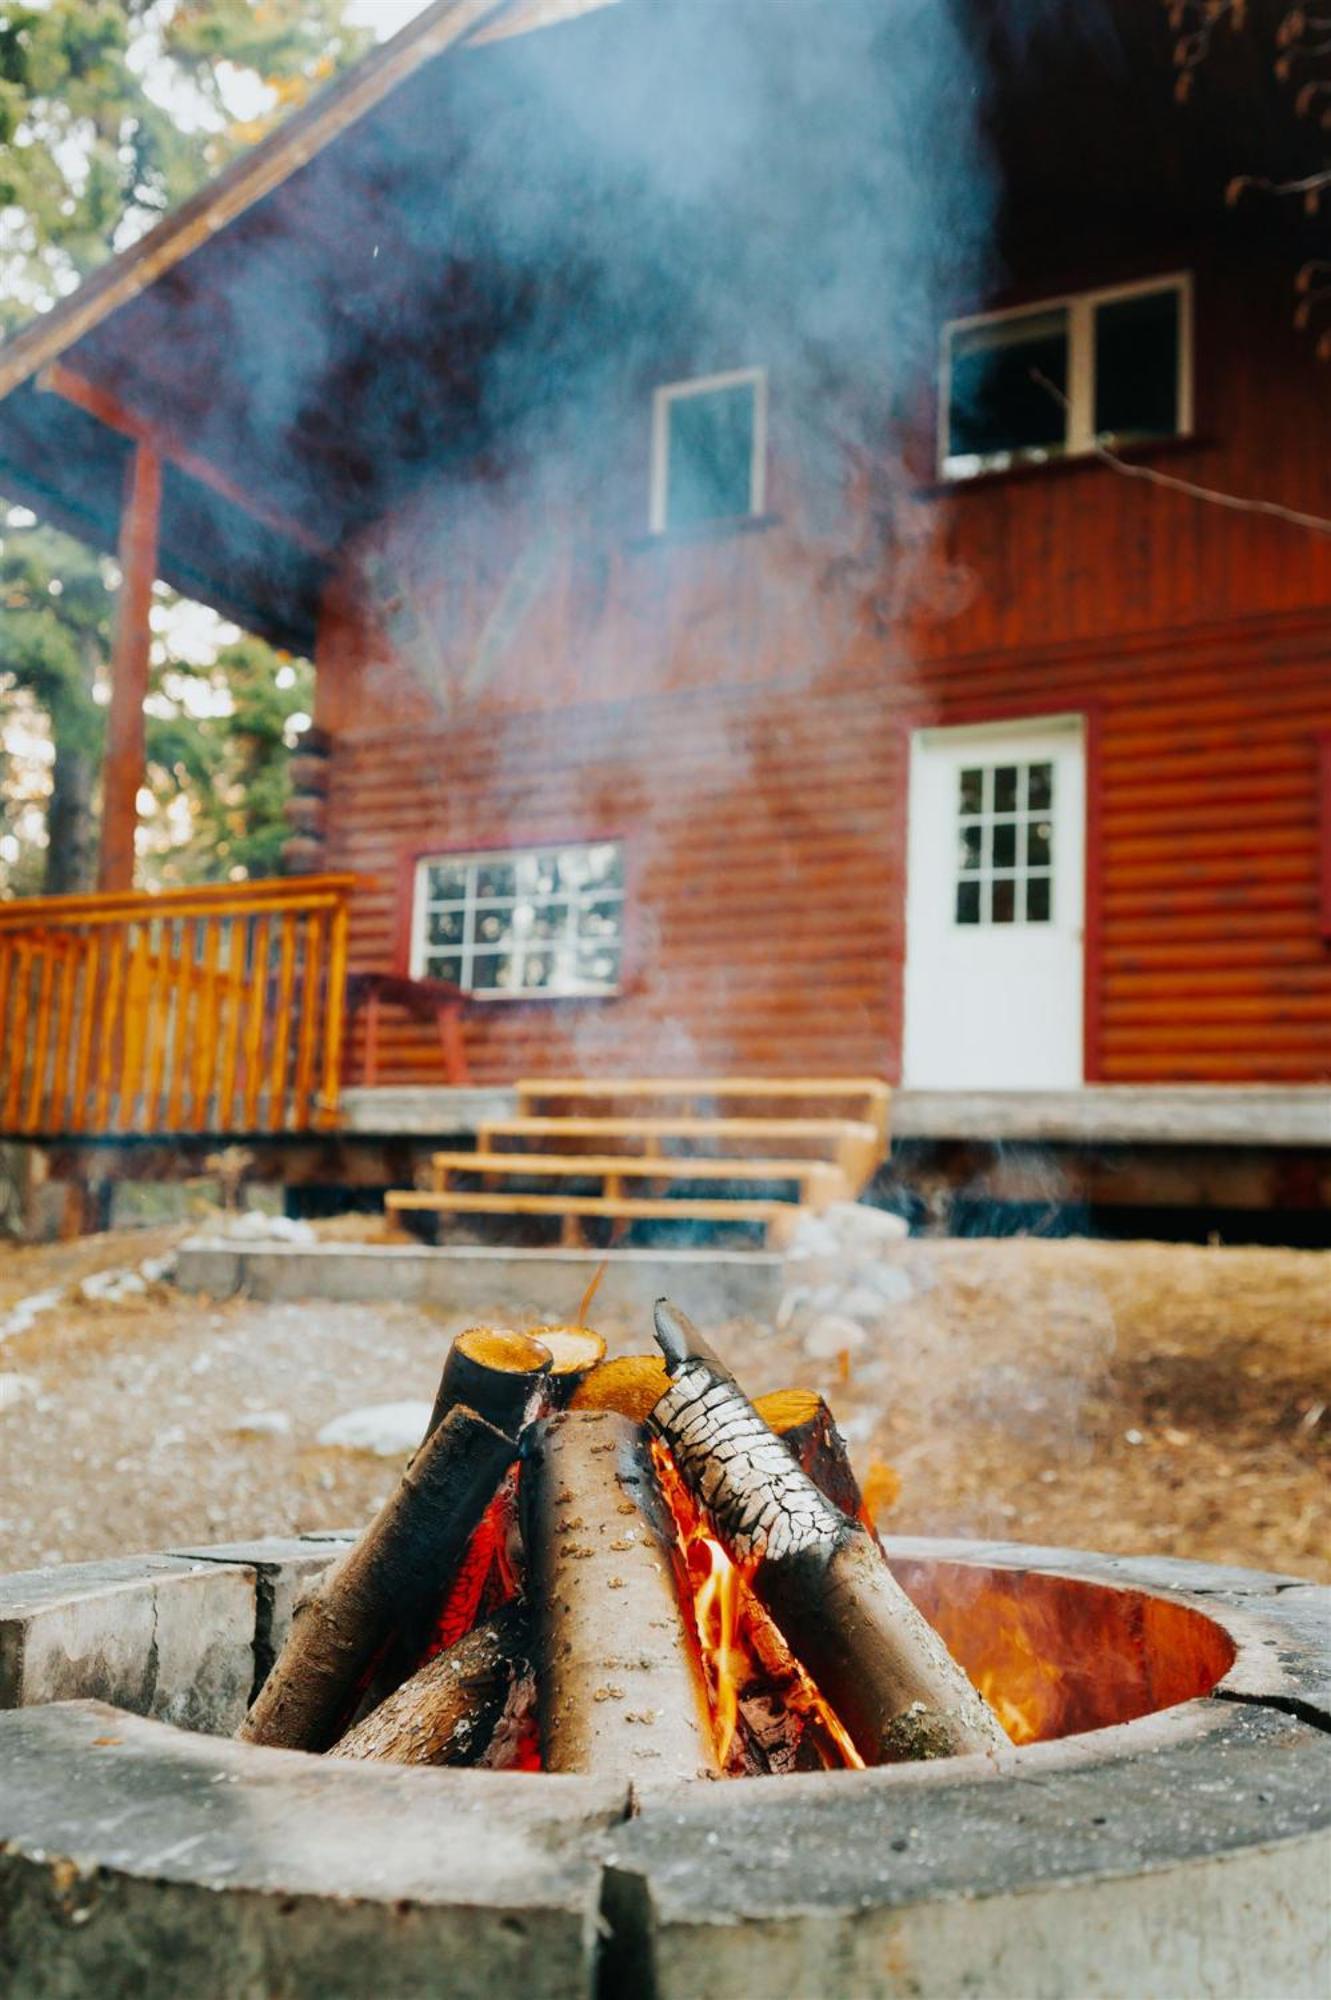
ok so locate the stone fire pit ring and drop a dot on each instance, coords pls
(1184, 1851)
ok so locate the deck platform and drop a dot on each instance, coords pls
(1097, 1115)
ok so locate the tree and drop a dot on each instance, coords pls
(111, 112)
(1298, 49)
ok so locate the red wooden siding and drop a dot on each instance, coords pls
(736, 710)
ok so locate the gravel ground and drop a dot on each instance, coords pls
(1128, 1397)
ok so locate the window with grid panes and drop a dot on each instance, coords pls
(503, 925)
(1005, 861)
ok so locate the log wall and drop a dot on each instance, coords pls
(737, 707)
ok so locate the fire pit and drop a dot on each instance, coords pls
(1159, 1822)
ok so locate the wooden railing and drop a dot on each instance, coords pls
(214, 1010)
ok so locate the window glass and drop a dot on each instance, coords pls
(545, 920)
(1005, 848)
(997, 408)
(1136, 365)
(709, 454)
(1026, 386)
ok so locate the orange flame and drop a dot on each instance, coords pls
(741, 1651)
(715, 1611)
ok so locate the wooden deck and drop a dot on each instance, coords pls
(1294, 1115)
(216, 1010)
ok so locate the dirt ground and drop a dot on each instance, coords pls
(1128, 1397)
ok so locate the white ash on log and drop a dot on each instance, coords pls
(807, 1428)
(391, 1578)
(621, 1695)
(881, 1666)
(633, 1384)
(447, 1713)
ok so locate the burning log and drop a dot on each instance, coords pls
(807, 1428)
(883, 1668)
(574, 1351)
(503, 1376)
(392, 1577)
(634, 1384)
(494, 1371)
(447, 1713)
(620, 1694)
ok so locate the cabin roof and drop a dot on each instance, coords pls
(311, 329)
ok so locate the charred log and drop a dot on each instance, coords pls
(495, 1371)
(807, 1428)
(620, 1692)
(634, 1384)
(447, 1713)
(398, 1569)
(882, 1667)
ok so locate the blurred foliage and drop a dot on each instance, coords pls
(111, 112)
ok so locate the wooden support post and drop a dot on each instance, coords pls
(125, 759)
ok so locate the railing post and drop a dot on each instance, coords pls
(123, 769)
(335, 1019)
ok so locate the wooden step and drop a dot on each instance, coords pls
(819, 1178)
(869, 1095)
(617, 1208)
(855, 1147)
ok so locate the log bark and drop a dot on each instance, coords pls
(621, 1694)
(495, 1371)
(884, 1670)
(503, 1375)
(401, 1565)
(447, 1713)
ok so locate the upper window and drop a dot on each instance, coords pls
(1048, 381)
(709, 450)
(535, 920)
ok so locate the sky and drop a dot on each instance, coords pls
(384, 16)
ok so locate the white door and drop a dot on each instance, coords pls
(995, 900)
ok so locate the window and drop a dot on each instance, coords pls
(1005, 858)
(709, 450)
(1049, 381)
(539, 920)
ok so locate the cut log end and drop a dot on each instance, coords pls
(494, 1370)
(631, 1386)
(574, 1352)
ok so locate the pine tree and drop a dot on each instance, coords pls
(111, 112)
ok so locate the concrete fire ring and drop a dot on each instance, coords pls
(143, 1852)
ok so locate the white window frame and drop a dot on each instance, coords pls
(479, 858)
(701, 385)
(1080, 438)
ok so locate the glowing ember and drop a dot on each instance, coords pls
(487, 1577)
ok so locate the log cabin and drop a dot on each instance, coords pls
(814, 529)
